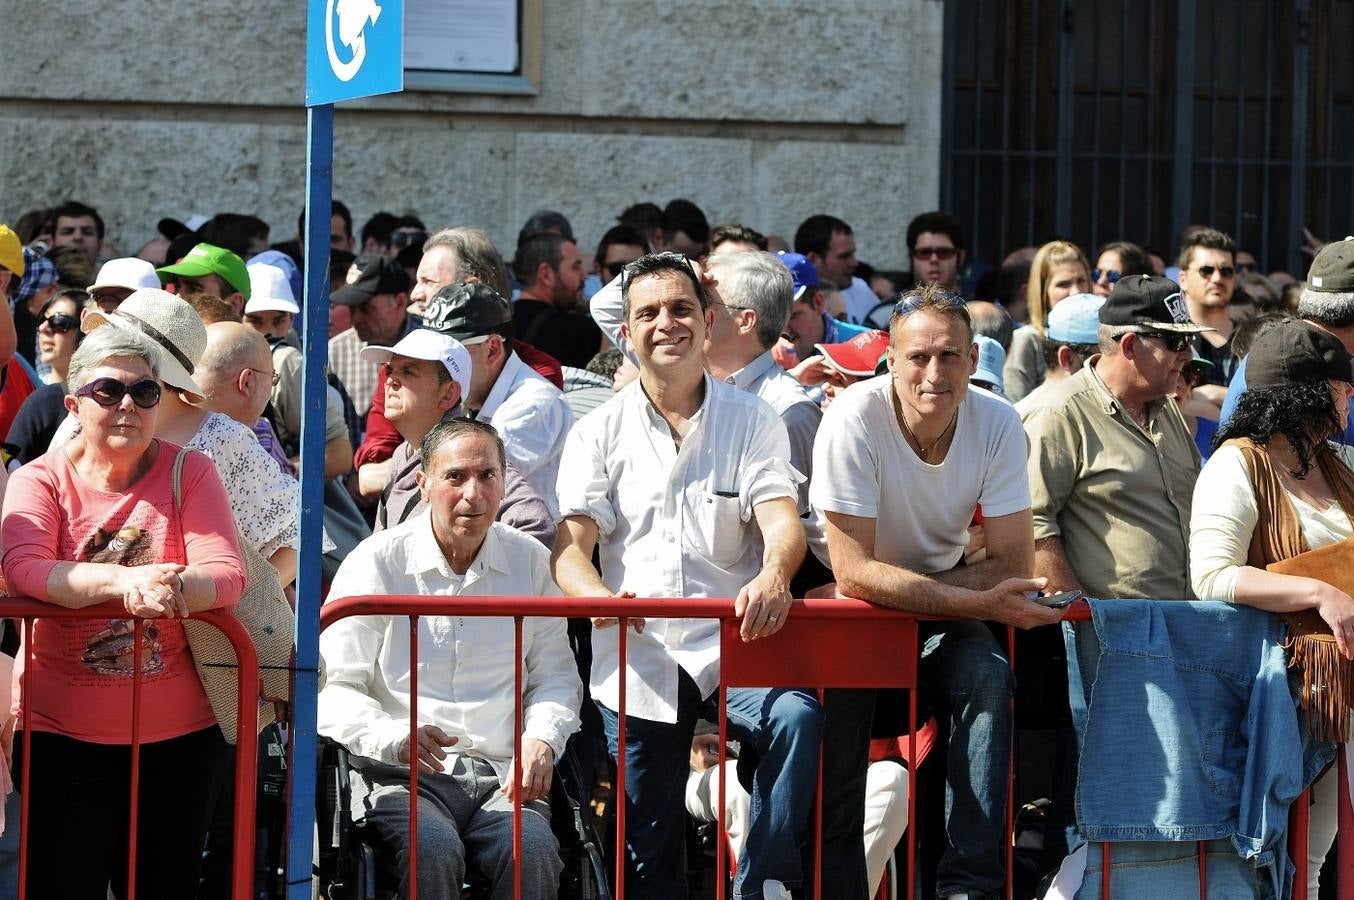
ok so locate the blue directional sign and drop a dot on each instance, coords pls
(354, 48)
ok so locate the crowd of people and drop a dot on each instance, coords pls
(684, 412)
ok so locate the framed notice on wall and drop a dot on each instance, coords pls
(473, 46)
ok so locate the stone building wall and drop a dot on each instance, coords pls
(759, 112)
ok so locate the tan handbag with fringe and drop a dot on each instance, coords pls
(264, 610)
(1277, 545)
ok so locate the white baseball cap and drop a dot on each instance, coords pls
(127, 272)
(434, 346)
(269, 291)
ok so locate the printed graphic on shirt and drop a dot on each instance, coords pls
(131, 537)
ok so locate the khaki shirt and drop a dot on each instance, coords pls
(1117, 495)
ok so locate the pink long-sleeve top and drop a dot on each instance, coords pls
(81, 684)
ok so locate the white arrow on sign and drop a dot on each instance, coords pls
(353, 17)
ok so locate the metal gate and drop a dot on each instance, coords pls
(1098, 120)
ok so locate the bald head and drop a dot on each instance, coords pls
(235, 371)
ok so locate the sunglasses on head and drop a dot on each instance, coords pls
(914, 300)
(1173, 342)
(1207, 271)
(934, 252)
(61, 323)
(108, 392)
(1110, 274)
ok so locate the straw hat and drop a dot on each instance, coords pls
(173, 327)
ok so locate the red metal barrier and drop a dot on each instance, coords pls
(824, 644)
(246, 749)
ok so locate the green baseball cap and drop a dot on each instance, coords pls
(209, 259)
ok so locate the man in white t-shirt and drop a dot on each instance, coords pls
(901, 464)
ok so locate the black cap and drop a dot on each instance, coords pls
(1292, 351)
(369, 275)
(466, 311)
(1333, 268)
(1148, 303)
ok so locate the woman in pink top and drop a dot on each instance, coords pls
(93, 523)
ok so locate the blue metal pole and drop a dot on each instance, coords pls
(305, 687)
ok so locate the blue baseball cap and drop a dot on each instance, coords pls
(801, 270)
(1075, 319)
(991, 360)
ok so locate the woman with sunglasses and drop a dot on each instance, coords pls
(36, 422)
(1278, 485)
(1116, 260)
(1059, 270)
(95, 523)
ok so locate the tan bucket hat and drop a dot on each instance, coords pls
(172, 326)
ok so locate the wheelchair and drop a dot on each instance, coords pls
(351, 863)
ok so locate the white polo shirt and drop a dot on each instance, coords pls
(673, 523)
(533, 418)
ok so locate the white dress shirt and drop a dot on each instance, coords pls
(533, 418)
(673, 523)
(465, 675)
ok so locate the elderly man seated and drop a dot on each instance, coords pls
(465, 704)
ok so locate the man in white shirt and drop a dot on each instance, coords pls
(901, 463)
(684, 479)
(529, 412)
(466, 690)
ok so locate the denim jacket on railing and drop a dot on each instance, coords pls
(1188, 728)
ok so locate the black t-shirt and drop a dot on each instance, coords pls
(572, 338)
(1224, 363)
(36, 422)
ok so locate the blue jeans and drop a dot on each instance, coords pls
(966, 678)
(782, 727)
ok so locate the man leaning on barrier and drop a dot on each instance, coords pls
(900, 464)
(686, 482)
(466, 688)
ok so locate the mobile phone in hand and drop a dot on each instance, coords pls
(1058, 601)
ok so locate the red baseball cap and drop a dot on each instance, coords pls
(858, 356)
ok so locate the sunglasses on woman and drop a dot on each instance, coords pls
(60, 323)
(1112, 275)
(108, 392)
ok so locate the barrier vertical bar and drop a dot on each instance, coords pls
(1344, 854)
(247, 689)
(912, 766)
(1297, 822)
(1203, 871)
(1299, 815)
(623, 623)
(134, 816)
(1105, 871)
(305, 674)
(517, 759)
(413, 758)
(818, 810)
(26, 695)
(721, 832)
(1010, 773)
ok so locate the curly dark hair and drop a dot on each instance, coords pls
(1303, 412)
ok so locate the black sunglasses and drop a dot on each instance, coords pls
(405, 238)
(108, 392)
(937, 252)
(61, 323)
(914, 300)
(1207, 271)
(1112, 275)
(615, 268)
(1172, 342)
